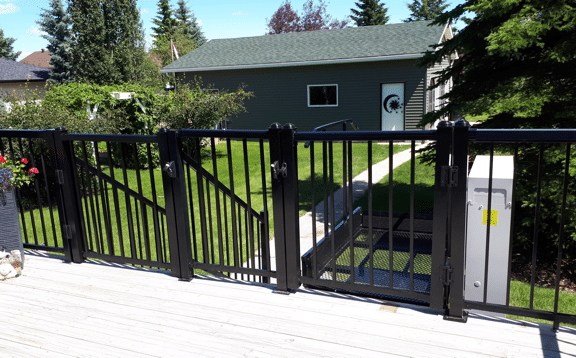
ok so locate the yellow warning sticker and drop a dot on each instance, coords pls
(493, 217)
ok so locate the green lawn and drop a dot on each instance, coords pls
(543, 300)
(127, 228)
(423, 190)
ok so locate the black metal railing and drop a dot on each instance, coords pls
(179, 201)
(540, 245)
(37, 204)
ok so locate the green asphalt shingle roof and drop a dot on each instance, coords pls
(352, 44)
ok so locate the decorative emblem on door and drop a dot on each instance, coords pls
(392, 103)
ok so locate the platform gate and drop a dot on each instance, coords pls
(406, 257)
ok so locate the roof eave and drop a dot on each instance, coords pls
(294, 64)
(24, 80)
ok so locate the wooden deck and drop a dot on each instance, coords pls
(96, 309)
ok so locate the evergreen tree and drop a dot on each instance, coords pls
(370, 12)
(56, 23)
(188, 23)
(108, 41)
(426, 9)
(517, 63)
(165, 23)
(6, 50)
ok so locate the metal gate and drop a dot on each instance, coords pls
(362, 251)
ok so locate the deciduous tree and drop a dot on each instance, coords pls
(56, 23)
(6, 49)
(369, 12)
(314, 17)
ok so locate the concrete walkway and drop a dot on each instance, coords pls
(359, 185)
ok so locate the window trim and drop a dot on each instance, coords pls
(323, 105)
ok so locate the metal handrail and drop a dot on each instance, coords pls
(324, 127)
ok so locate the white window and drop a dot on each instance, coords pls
(323, 95)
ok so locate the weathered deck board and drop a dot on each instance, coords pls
(96, 309)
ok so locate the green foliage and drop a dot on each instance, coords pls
(56, 23)
(126, 114)
(162, 46)
(28, 112)
(190, 106)
(109, 41)
(426, 9)
(165, 23)
(370, 12)
(6, 49)
(517, 63)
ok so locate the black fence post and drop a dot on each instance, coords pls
(440, 220)
(458, 221)
(291, 215)
(67, 197)
(278, 206)
(285, 205)
(176, 202)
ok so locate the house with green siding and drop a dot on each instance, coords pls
(368, 74)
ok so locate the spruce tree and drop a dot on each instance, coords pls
(165, 22)
(108, 41)
(6, 50)
(188, 23)
(56, 23)
(370, 12)
(426, 9)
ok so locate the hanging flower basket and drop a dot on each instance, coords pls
(12, 175)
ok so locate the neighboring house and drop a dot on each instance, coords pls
(39, 58)
(368, 74)
(14, 76)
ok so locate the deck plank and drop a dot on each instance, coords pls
(101, 309)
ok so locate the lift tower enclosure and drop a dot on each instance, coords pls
(495, 282)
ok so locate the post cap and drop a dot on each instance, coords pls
(444, 124)
(290, 126)
(275, 126)
(461, 122)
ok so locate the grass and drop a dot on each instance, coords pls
(131, 232)
(423, 190)
(543, 300)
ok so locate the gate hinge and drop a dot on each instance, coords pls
(449, 176)
(276, 169)
(446, 276)
(68, 232)
(60, 176)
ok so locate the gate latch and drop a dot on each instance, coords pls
(170, 169)
(449, 176)
(276, 169)
(446, 277)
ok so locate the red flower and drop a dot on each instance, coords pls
(24, 160)
(33, 171)
(2, 159)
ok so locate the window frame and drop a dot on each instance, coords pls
(323, 105)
